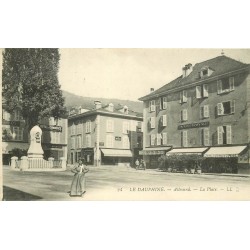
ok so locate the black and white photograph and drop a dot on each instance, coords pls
(125, 124)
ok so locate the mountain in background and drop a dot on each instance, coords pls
(72, 100)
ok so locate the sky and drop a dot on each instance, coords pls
(129, 73)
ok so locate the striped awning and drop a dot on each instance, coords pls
(224, 152)
(185, 151)
(154, 151)
(116, 152)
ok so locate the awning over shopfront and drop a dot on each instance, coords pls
(224, 152)
(116, 152)
(154, 151)
(187, 151)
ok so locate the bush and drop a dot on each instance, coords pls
(19, 152)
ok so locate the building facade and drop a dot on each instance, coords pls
(204, 111)
(15, 136)
(105, 135)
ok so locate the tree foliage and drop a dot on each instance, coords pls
(30, 84)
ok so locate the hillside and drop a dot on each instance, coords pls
(72, 100)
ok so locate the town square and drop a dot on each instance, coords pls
(186, 138)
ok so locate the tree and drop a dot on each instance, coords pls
(30, 84)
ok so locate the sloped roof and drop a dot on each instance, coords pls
(219, 65)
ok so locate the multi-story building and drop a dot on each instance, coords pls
(15, 136)
(204, 111)
(105, 135)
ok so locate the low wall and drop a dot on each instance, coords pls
(36, 164)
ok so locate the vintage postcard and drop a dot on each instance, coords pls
(125, 124)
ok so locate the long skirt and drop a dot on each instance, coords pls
(78, 185)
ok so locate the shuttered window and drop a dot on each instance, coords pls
(184, 138)
(152, 139)
(164, 138)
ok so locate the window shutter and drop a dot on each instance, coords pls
(206, 111)
(181, 97)
(159, 139)
(181, 115)
(164, 120)
(201, 112)
(206, 136)
(231, 83)
(220, 135)
(152, 139)
(219, 86)
(232, 107)
(152, 105)
(198, 92)
(201, 136)
(184, 96)
(205, 90)
(165, 103)
(164, 138)
(152, 122)
(229, 134)
(185, 115)
(220, 109)
(185, 143)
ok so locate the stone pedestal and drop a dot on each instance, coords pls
(35, 149)
(14, 163)
(24, 165)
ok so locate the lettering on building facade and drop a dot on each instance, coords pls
(193, 125)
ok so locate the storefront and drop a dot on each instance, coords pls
(231, 159)
(88, 155)
(54, 150)
(151, 156)
(120, 157)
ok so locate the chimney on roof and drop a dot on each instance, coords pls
(98, 104)
(152, 90)
(186, 70)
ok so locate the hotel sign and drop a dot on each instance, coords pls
(194, 125)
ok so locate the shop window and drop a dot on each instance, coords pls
(184, 138)
(224, 134)
(225, 85)
(226, 108)
(205, 137)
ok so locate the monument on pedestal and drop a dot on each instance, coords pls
(35, 149)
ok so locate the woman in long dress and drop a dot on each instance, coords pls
(78, 187)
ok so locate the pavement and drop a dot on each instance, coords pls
(124, 183)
